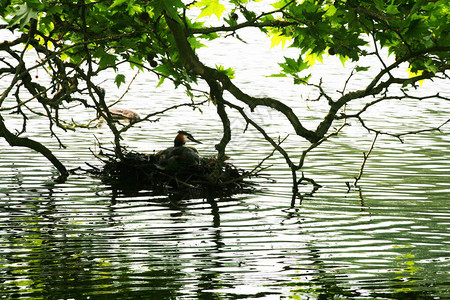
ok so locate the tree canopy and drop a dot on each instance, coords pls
(77, 40)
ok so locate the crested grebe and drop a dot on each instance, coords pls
(179, 156)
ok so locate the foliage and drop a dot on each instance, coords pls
(77, 40)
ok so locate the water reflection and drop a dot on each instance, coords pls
(80, 239)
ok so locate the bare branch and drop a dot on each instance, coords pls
(148, 116)
(125, 92)
(375, 87)
(365, 157)
(318, 143)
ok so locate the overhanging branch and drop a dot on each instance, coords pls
(14, 140)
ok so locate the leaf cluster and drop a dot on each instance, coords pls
(117, 31)
(347, 28)
(110, 32)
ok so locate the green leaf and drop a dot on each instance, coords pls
(361, 69)
(392, 9)
(292, 66)
(169, 6)
(161, 81)
(302, 80)
(228, 71)
(279, 4)
(379, 4)
(106, 59)
(195, 44)
(120, 78)
(210, 7)
(343, 59)
(277, 38)
(331, 10)
(136, 62)
(117, 3)
(134, 9)
(311, 58)
(278, 75)
(23, 16)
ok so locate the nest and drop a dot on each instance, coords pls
(138, 171)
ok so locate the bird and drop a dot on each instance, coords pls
(179, 157)
(124, 114)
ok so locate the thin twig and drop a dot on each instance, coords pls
(365, 157)
(314, 145)
(257, 168)
(126, 91)
(147, 117)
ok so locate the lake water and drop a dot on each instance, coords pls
(387, 240)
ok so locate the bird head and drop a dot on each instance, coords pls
(180, 139)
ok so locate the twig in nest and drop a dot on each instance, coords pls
(177, 180)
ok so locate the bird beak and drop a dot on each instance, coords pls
(191, 138)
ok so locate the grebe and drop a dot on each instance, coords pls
(179, 156)
(124, 114)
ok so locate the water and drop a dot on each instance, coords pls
(389, 239)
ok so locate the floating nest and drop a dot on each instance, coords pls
(139, 171)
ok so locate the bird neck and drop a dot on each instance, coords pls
(179, 140)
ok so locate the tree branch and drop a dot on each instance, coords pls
(211, 76)
(365, 157)
(375, 87)
(14, 140)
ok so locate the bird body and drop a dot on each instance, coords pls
(123, 114)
